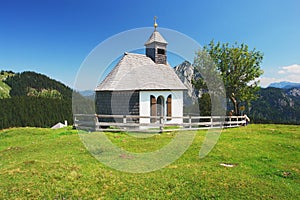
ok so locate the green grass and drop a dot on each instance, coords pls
(40, 163)
(4, 88)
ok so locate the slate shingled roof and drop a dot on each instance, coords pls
(139, 72)
(156, 37)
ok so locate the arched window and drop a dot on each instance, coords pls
(169, 107)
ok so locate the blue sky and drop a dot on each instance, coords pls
(54, 37)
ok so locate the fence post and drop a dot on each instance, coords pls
(124, 119)
(96, 122)
(190, 121)
(74, 123)
(161, 121)
(211, 121)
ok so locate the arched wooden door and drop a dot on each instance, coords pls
(152, 109)
(169, 107)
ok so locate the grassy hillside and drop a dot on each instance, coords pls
(34, 100)
(4, 88)
(34, 84)
(53, 164)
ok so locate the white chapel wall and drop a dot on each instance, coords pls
(177, 104)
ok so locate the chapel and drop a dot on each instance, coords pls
(142, 85)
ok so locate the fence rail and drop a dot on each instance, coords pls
(134, 122)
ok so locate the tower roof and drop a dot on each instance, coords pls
(156, 37)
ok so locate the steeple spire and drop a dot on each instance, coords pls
(155, 24)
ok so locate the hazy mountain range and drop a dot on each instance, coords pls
(285, 85)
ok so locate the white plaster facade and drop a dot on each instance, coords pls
(177, 105)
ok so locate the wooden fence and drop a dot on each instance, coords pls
(161, 124)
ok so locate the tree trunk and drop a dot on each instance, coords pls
(235, 105)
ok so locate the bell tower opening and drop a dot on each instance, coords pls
(161, 51)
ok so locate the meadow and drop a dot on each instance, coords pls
(41, 163)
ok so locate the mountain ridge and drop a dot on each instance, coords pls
(33, 99)
(284, 85)
(30, 83)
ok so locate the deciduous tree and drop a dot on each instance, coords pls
(239, 68)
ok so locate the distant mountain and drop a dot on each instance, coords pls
(37, 85)
(285, 85)
(87, 93)
(276, 105)
(33, 99)
(186, 73)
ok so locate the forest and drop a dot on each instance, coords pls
(276, 105)
(21, 111)
(34, 100)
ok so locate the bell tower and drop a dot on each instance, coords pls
(156, 46)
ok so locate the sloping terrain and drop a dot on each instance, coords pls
(253, 162)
